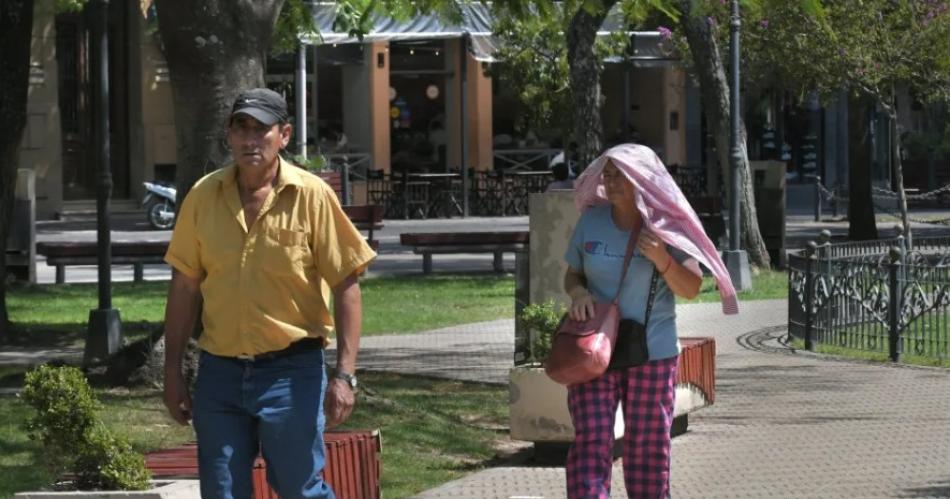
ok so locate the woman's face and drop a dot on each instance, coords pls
(619, 189)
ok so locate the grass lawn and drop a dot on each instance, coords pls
(871, 356)
(433, 431)
(766, 285)
(56, 315)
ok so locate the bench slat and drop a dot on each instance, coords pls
(469, 248)
(91, 248)
(462, 238)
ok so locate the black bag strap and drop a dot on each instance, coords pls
(626, 263)
(653, 279)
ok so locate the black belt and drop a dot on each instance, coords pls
(299, 346)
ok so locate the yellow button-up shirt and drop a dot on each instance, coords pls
(267, 285)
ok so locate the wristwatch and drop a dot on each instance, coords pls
(349, 378)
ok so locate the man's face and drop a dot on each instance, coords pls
(254, 144)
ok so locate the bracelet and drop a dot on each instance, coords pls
(669, 263)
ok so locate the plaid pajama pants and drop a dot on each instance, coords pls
(647, 393)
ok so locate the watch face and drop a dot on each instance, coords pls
(349, 378)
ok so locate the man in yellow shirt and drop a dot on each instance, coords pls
(259, 247)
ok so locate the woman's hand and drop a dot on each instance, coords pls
(654, 249)
(582, 306)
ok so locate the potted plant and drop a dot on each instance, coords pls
(537, 405)
(77, 446)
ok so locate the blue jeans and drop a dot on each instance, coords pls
(276, 404)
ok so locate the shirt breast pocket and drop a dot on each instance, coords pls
(286, 251)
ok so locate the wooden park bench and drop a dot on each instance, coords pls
(335, 181)
(497, 243)
(368, 217)
(137, 254)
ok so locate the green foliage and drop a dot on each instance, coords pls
(72, 437)
(533, 48)
(65, 408)
(69, 5)
(295, 20)
(869, 46)
(53, 7)
(535, 68)
(313, 163)
(107, 462)
(542, 319)
(922, 145)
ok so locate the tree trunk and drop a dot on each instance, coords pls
(214, 50)
(715, 94)
(891, 110)
(584, 68)
(861, 223)
(16, 29)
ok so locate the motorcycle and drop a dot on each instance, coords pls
(159, 205)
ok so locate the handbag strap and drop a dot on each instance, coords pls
(623, 274)
(646, 316)
(626, 263)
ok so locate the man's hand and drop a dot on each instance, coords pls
(339, 402)
(181, 312)
(177, 398)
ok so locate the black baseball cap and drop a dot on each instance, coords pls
(262, 104)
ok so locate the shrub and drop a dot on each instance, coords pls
(542, 319)
(72, 437)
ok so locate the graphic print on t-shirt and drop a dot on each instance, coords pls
(593, 247)
(600, 248)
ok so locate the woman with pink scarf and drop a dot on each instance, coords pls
(628, 193)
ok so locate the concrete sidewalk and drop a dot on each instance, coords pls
(785, 424)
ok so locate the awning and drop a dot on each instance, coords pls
(476, 23)
(649, 48)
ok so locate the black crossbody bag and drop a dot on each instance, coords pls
(631, 349)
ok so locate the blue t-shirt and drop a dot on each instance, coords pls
(597, 248)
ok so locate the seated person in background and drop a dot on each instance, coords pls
(561, 178)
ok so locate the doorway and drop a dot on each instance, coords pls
(417, 80)
(75, 99)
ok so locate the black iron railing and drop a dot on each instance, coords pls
(876, 296)
(431, 195)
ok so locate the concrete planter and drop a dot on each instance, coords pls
(161, 489)
(538, 407)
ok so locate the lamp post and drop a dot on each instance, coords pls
(300, 101)
(104, 335)
(737, 261)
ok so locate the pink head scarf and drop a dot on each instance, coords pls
(664, 208)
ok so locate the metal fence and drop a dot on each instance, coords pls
(877, 296)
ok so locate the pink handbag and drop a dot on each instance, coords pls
(581, 351)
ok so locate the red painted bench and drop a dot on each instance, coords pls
(353, 465)
(335, 180)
